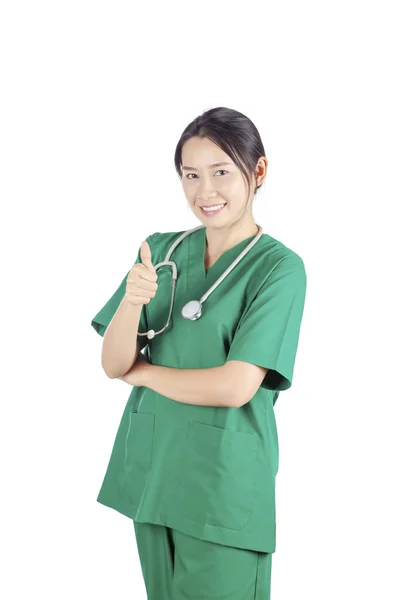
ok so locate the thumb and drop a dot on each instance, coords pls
(145, 255)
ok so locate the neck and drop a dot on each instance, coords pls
(223, 238)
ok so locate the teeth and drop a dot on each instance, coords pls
(213, 208)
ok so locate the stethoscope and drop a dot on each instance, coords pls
(192, 309)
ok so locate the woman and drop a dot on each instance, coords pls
(196, 453)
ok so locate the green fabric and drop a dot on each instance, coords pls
(209, 471)
(177, 566)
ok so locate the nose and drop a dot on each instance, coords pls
(206, 186)
(205, 192)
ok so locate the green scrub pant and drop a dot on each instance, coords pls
(176, 566)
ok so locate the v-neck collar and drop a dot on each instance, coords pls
(198, 251)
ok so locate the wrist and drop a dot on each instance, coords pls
(145, 373)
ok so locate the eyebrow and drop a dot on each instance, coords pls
(217, 164)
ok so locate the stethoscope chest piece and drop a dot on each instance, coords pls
(192, 310)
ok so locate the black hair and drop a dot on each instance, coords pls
(232, 131)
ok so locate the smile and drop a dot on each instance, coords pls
(212, 210)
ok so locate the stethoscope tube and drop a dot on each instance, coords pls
(192, 310)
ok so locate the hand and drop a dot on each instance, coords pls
(141, 284)
(135, 376)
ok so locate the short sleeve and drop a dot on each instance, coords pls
(102, 319)
(268, 332)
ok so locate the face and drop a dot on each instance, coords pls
(207, 185)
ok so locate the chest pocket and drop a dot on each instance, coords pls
(218, 476)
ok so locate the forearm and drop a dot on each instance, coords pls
(203, 387)
(120, 346)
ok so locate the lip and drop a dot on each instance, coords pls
(213, 212)
(211, 205)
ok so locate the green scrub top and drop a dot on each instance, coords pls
(209, 471)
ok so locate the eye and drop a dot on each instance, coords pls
(219, 171)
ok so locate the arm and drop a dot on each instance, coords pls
(120, 345)
(230, 385)
(245, 379)
(203, 387)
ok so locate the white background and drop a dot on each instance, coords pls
(94, 98)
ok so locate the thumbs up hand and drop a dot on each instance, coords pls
(145, 255)
(141, 284)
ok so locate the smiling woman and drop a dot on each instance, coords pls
(196, 453)
(205, 146)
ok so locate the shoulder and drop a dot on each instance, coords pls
(161, 241)
(165, 237)
(278, 251)
(276, 260)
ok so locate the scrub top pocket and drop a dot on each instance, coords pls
(218, 476)
(138, 455)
